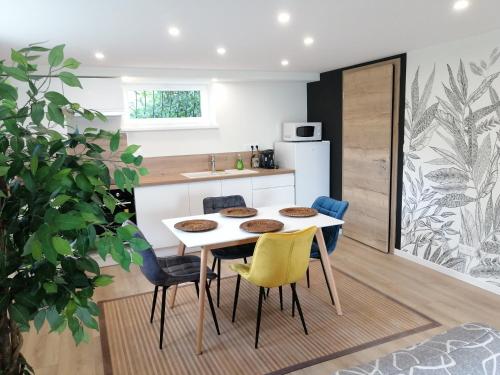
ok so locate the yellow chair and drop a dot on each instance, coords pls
(278, 259)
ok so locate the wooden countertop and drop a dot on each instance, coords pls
(166, 178)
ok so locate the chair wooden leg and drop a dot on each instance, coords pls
(162, 321)
(245, 260)
(211, 304)
(218, 281)
(328, 285)
(281, 298)
(267, 294)
(296, 299)
(213, 268)
(154, 304)
(197, 289)
(236, 293)
(307, 275)
(259, 314)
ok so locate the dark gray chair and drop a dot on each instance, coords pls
(215, 204)
(169, 271)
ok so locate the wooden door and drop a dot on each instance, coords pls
(367, 143)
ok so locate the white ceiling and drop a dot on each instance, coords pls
(133, 33)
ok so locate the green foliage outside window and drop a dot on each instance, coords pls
(147, 104)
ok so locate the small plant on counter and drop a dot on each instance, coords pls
(55, 204)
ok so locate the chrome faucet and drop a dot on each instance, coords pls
(212, 163)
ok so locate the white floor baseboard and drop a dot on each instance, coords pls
(450, 272)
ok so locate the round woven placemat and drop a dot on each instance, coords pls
(196, 225)
(238, 212)
(261, 226)
(298, 212)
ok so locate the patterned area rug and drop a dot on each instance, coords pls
(130, 342)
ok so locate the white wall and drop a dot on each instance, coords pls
(451, 194)
(246, 113)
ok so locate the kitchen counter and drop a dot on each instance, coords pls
(166, 178)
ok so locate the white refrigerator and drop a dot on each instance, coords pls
(311, 162)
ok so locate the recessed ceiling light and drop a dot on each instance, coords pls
(285, 62)
(283, 17)
(99, 55)
(461, 5)
(174, 31)
(308, 40)
(221, 51)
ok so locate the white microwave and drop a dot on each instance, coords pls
(301, 131)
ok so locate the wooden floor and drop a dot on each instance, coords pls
(442, 298)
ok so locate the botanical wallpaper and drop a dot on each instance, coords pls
(451, 190)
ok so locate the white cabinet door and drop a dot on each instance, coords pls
(238, 186)
(200, 190)
(274, 196)
(154, 203)
(279, 180)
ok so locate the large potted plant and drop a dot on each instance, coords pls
(55, 204)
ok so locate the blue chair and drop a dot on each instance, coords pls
(169, 271)
(336, 209)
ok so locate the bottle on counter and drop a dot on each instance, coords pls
(255, 158)
(239, 163)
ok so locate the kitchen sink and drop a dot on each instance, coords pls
(227, 172)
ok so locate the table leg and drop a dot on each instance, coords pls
(201, 303)
(329, 274)
(180, 251)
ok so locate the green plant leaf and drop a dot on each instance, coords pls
(84, 315)
(4, 170)
(83, 183)
(16, 73)
(69, 222)
(115, 142)
(61, 245)
(8, 92)
(131, 149)
(54, 318)
(50, 287)
(37, 112)
(56, 98)
(39, 319)
(88, 264)
(143, 171)
(139, 244)
(137, 258)
(121, 217)
(60, 200)
(109, 202)
(18, 57)
(55, 114)
(103, 280)
(127, 158)
(19, 313)
(119, 178)
(56, 55)
(70, 79)
(71, 63)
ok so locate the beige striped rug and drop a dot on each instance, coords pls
(130, 342)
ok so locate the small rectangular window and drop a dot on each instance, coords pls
(155, 107)
(153, 104)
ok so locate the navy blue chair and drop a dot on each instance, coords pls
(213, 205)
(336, 209)
(169, 271)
